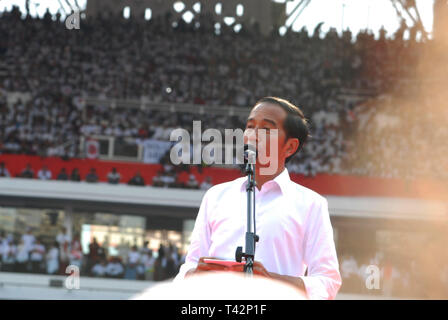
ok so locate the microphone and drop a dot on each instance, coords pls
(250, 153)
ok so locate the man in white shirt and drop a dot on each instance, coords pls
(99, 269)
(206, 184)
(133, 261)
(37, 256)
(192, 183)
(28, 239)
(114, 176)
(63, 237)
(158, 133)
(349, 267)
(4, 171)
(114, 268)
(53, 259)
(292, 222)
(44, 174)
(9, 253)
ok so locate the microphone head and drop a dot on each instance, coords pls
(250, 153)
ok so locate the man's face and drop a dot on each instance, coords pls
(270, 117)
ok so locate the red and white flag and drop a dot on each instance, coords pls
(92, 148)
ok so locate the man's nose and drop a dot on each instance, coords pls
(250, 136)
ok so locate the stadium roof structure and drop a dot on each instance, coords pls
(268, 14)
(406, 10)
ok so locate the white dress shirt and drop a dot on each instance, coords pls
(114, 269)
(293, 224)
(133, 257)
(28, 241)
(44, 175)
(99, 270)
(37, 253)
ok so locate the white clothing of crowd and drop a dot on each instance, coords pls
(202, 68)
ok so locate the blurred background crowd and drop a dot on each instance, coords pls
(360, 94)
(166, 177)
(27, 253)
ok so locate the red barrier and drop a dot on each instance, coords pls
(325, 184)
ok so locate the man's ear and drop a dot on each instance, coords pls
(291, 146)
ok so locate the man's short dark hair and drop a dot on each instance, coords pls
(295, 124)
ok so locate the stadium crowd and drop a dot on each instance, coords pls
(167, 176)
(394, 274)
(112, 57)
(28, 253)
(360, 95)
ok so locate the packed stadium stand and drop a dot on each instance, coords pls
(122, 82)
(328, 76)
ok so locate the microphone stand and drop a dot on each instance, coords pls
(251, 237)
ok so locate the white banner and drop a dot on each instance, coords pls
(154, 150)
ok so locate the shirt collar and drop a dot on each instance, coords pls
(281, 180)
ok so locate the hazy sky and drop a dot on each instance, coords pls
(355, 14)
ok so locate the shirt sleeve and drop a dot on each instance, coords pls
(323, 280)
(200, 240)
